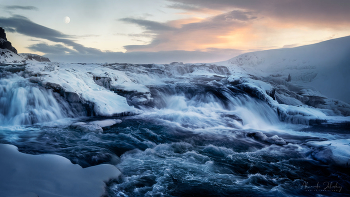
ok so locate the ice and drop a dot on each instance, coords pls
(106, 123)
(340, 150)
(50, 175)
(80, 80)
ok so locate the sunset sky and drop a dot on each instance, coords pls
(163, 31)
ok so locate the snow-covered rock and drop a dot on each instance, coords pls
(95, 126)
(9, 57)
(337, 151)
(79, 81)
(34, 57)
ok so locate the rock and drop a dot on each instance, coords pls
(103, 81)
(4, 43)
(95, 126)
(29, 56)
(2, 33)
(106, 123)
(86, 127)
(72, 97)
(54, 86)
(34, 79)
(9, 57)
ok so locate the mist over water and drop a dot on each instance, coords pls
(192, 139)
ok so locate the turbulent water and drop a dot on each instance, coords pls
(192, 139)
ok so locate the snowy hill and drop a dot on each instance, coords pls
(323, 66)
(7, 56)
(34, 57)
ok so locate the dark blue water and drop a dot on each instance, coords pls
(161, 160)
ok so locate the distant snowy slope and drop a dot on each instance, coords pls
(324, 66)
(34, 57)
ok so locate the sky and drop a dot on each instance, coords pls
(164, 31)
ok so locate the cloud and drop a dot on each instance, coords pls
(18, 7)
(147, 24)
(193, 33)
(26, 27)
(9, 29)
(185, 7)
(62, 53)
(321, 11)
(244, 24)
(143, 35)
(51, 49)
(69, 51)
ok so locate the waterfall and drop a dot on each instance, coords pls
(204, 107)
(25, 103)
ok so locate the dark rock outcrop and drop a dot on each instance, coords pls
(29, 56)
(4, 44)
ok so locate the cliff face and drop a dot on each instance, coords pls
(4, 43)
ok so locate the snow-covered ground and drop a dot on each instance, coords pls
(324, 67)
(50, 175)
(8, 57)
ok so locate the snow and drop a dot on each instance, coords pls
(340, 150)
(9, 57)
(79, 79)
(50, 175)
(106, 123)
(95, 126)
(323, 66)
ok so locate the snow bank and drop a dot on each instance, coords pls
(50, 175)
(340, 151)
(323, 66)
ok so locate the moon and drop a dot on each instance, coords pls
(66, 19)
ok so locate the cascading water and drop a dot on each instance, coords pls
(195, 136)
(24, 103)
(209, 107)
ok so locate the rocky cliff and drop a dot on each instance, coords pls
(4, 43)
